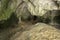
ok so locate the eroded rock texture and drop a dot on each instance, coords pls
(41, 8)
(45, 10)
(39, 31)
(37, 7)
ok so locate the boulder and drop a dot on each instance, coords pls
(39, 31)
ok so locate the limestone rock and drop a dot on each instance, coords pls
(37, 7)
(40, 31)
(40, 7)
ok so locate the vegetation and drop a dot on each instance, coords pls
(6, 9)
(7, 14)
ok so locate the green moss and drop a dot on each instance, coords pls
(6, 14)
(6, 9)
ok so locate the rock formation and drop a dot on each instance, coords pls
(39, 31)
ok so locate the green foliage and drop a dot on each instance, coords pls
(6, 10)
(4, 4)
(6, 14)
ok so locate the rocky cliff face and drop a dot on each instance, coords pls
(35, 7)
(40, 7)
(47, 10)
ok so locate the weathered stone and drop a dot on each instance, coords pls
(40, 7)
(39, 31)
(52, 17)
(37, 7)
